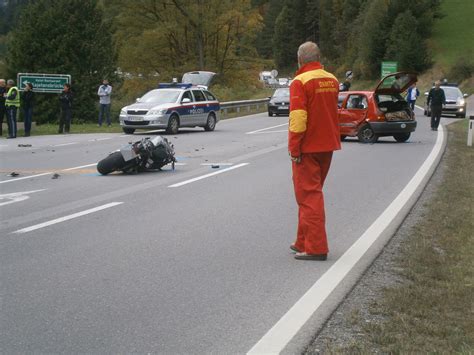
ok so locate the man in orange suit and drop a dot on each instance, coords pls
(312, 138)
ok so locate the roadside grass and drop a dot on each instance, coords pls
(453, 34)
(432, 309)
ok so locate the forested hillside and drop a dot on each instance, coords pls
(146, 41)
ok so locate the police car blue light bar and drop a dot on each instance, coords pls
(174, 85)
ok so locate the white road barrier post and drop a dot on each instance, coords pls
(470, 131)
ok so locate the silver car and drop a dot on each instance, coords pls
(455, 102)
(172, 106)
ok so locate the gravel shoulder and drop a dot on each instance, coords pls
(343, 330)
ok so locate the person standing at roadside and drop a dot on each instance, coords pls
(3, 92)
(27, 100)
(346, 85)
(104, 92)
(412, 95)
(312, 138)
(436, 101)
(12, 103)
(65, 100)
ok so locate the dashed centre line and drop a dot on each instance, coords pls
(265, 129)
(66, 218)
(208, 175)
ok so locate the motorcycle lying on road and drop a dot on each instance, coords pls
(144, 155)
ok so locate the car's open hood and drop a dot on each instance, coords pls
(203, 78)
(396, 83)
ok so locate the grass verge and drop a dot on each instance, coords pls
(430, 308)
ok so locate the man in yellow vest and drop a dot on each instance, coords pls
(12, 103)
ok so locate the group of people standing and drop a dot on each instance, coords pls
(12, 99)
(10, 102)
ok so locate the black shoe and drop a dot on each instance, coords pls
(294, 249)
(304, 256)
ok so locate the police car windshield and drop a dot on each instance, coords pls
(161, 96)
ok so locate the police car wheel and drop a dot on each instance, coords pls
(128, 130)
(173, 125)
(211, 122)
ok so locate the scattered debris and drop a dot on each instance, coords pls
(196, 150)
(24, 145)
(55, 176)
(215, 166)
(13, 174)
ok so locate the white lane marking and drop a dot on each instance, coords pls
(264, 129)
(267, 132)
(223, 164)
(208, 175)
(99, 139)
(420, 108)
(63, 144)
(80, 167)
(23, 178)
(276, 339)
(66, 218)
(16, 197)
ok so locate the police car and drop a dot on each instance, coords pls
(174, 105)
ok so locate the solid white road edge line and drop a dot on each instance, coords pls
(264, 129)
(66, 218)
(208, 175)
(275, 340)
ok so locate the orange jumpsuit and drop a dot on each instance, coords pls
(313, 136)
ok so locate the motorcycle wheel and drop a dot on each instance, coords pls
(112, 163)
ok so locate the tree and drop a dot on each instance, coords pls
(264, 41)
(370, 40)
(64, 37)
(406, 45)
(163, 38)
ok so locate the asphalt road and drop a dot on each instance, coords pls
(129, 263)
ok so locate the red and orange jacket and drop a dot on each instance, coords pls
(314, 125)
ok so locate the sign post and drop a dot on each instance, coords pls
(470, 128)
(48, 83)
(388, 68)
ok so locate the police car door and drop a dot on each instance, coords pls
(200, 115)
(187, 109)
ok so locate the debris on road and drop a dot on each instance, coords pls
(24, 145)
(215, 166)
(55, 176)
(13, 174)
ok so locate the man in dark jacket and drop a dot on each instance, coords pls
(27, 99)
(3, 91)
(436, 100)
(65, 100)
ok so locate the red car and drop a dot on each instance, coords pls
(369, 115)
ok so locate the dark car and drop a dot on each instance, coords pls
(279, 103)
(369, 115)
(455, 101)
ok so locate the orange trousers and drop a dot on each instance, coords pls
(308, 181)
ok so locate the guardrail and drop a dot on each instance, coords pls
(238, 105)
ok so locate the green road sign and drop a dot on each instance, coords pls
(388, 68)
(50, 83)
